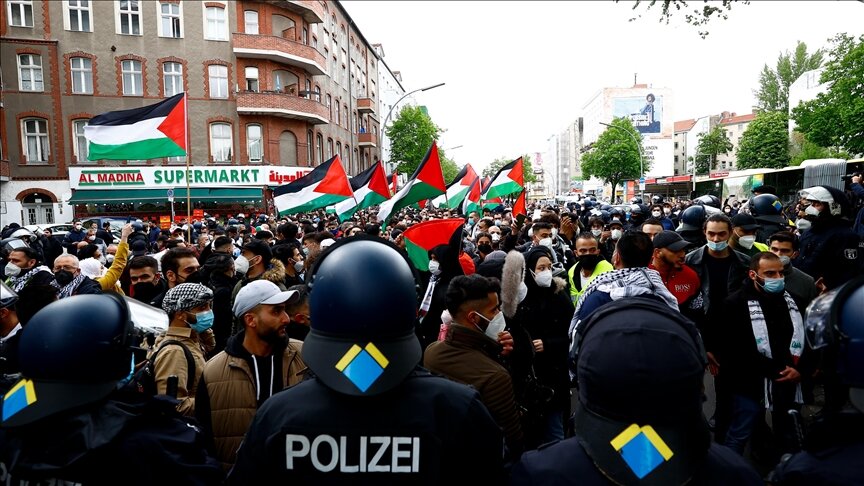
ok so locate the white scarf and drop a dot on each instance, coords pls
(760, 332)
(427, 297)
(18, 283)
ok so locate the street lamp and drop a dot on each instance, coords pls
(641, 167)
(387, 118)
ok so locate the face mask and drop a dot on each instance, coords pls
(667, 211)
(785, 260)
(298, 267)
(656, 214)
(773, 285)
(485, 249)
(64, 277)
(78, 227)
(109, 258)
(720, 246)
(803, 224)
(812, 211)
(547, 242)
(590, 261)
(554, 232)
(12, 270)
(496, 325)
(236, 252)
(746, 241)
(523, 292)
(596, 232)
(91, 238)
(434, 267)
(203, 321)
(144, 291)
(306, 251)
(543, 279)
(496, 237)
(497, 222)
(241, 265)
(616, 234)
(470, 222)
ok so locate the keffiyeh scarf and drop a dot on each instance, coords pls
(18, 283)
(763, 345)
(66, 290)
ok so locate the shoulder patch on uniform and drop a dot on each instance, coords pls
(850, 253)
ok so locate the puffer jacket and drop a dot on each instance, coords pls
(228, 395)
(172, 361)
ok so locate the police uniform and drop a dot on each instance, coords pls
(367, 414)
(829, 250)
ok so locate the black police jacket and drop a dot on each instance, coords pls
(832, 456)
(566, 463)
(427, 430)
(830, 250)
(130, 439)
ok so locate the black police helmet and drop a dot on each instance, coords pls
(708, 200)
(766, 207)
(363, 306)
(68, 359)
(692, 218)
(657, 199)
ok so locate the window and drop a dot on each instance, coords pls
(308, 93)
(79, 143)
(338, 115)
(36, 148)
(82, 75)
(20, 13)
(318, 94)
(345, 110)
(220, 142)
(78, 16)
(132, 80)
(319, 149)
(309, 153)
(254, 143)
(173, 78)
(354, 122)
(251, 19)
(130, 17)
(218, 81)
(169, 20)
(30, 72)
(284, 81)
(252, 79)
(329, 148)
(217, 26)
(330, 106)
(305, 36)
(339, 148)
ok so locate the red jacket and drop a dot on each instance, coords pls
(683, 284)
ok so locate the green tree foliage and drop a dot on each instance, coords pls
(411, 134)
(711, 145)
(765, 143)
(801, 149)
(836, 118)
(496, 165)
(773, 92)
(448, 167)
(697, 17)
(615, 155)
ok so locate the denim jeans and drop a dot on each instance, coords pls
(554, 426)
(745, 412)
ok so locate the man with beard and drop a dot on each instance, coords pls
(589, 264)
(668, 260)
(257, 362)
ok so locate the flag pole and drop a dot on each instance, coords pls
(188, 191)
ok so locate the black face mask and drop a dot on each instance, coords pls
(64, 277)
(144, 291)
(195, 277)
(485, 249)
(590, 261)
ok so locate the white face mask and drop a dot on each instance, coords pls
(667, 211)
(554, 232)
(241, 265)
(496, 325)
(12, 270)
(523, 292)
(803, 224)
(616, 234)
(596, 232)
(746, 241)
(496, 237)
(547, 242)
(812, 211)
(543, 279)
(656, 214)
(434, 267)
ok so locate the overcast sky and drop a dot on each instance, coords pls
(518, 72)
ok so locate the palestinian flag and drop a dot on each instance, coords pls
(421, 238)
(519, 205)
(471, 202)
(370, 188)
(149, 132)
(457, 189)
(508, 180)
(426, 182)
(326, 185)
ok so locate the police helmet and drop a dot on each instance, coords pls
(834, 197)
(638, 209)
(606, 207)
(11, 244)
(692, 218)
(23, 234)
(588, 204)
(708, 200)
(636, 200)
(657, 199)
(363, 306)
(766, 207)
(835, 320)
(8, 297)
(137, 226)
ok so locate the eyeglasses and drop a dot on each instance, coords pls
(69, 268)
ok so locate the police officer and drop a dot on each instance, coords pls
(639, 372)
(835, 445)
(829, 250)
(69, 420)
(768, 211)
(368, 414)
(690, 226)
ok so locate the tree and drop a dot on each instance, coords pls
(496, 165)
(765, 143)
(773, 92)
(711, 144)
(836, 118)
(411, 134)
(448, 167)
(615, 155)
(697, 17)
(801, 149)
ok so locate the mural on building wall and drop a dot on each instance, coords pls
(645, 113)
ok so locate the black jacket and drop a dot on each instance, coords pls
(87, 286)
(830, 250)
(223, 316)
(735, 280)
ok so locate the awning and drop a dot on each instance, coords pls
(97, 196)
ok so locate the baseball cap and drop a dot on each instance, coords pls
(138, 248)
(261, 292)
(764, 189)
(745, 221)
(671, 240)
(261, 248)
(326, 243)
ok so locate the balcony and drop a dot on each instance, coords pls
(367, 140)
(283, 105)
(281, 50)
(365, 105)
(311, 11)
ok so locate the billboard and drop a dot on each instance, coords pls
(646, 113)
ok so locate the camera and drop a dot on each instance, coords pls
(848, 177)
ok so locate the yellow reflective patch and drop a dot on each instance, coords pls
(376, 354)
(655, 439)
(349, 356)
(624, 437)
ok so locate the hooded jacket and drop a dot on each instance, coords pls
(230, 391)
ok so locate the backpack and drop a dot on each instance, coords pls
(145, 378)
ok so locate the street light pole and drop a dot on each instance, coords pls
(641, 167)
(427, 88)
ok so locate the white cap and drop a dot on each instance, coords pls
(261, 292)
(817, 193)
(326, 243)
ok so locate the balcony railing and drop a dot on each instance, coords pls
(367, 140)
(283, 105)
(365, 105)
(311, 11)
(281, 50)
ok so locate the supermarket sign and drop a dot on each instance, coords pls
(169, 177)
